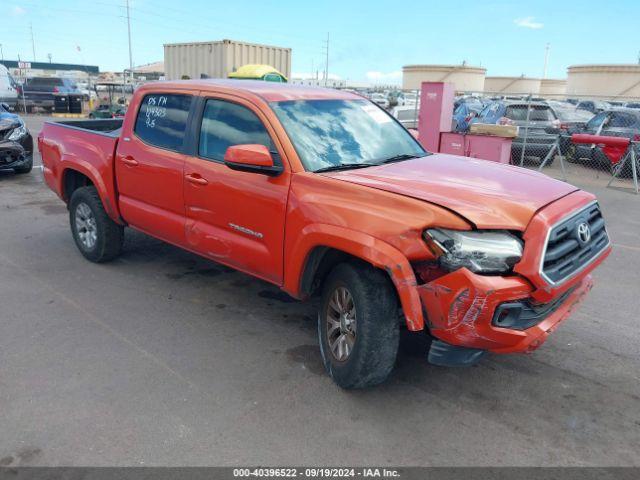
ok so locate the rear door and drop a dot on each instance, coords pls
(235, 217)
(150, 163)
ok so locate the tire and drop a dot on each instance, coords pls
(98, 238)
(26, 168)
(371, 341)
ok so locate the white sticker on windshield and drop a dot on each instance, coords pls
(378, 115)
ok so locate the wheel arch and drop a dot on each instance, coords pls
(76, 176)
(320, 247)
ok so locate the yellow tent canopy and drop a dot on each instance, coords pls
(256, 72)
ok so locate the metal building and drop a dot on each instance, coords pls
(219, 58)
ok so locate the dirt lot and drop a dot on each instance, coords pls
(163, 358)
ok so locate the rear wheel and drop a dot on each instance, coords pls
(358, 325)
(97, 237)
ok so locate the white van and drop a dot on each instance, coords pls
(8, 93)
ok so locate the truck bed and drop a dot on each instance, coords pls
(107, 126)
(84, 146)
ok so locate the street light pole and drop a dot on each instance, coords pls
(129, 32)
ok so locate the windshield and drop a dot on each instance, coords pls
(328, 133)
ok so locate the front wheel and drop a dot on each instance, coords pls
(358, 325)
(97, 237)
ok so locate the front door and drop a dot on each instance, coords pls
(150, 166)
(235, 217)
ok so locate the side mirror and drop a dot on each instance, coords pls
(4, 106)
(251, 158)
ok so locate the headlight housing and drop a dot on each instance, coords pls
(18, 133)
(481, 251)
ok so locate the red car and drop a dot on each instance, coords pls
(321, 192)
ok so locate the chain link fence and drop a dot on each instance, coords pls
(585, 140)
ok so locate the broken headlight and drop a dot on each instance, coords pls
(17, 133)
(481, 251)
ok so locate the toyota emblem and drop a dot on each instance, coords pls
(584, 232)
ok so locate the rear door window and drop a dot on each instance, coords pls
(225, 124)
(622, 120)
(596, 121)
(537, 113)
(162, 120)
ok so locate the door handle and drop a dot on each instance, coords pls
(129, 160)
(196, 179)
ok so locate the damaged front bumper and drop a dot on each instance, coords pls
(493, 313)
(13, 155)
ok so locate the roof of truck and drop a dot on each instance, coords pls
(269, 91)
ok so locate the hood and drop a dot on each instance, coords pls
(8, 121)
(488, 194)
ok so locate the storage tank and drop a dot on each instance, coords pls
(604, 80)
(466, 78)
(553, 87)
(512, 85)
(218, 59)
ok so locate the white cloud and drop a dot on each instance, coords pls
(16, 11)
(528, 22)
(375, 76)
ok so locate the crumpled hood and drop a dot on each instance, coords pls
(488, 194)
(8, 121)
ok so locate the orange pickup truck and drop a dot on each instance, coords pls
(321, 192)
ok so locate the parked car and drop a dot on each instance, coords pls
(258, 72)
(108, 111)
(380, 99)
(571, 121)
(411, 99)
(16, 143)
(8, 92)
(40, 91)
(616, 122)
(322, 193)
(406, 115)
(464, 111)
(593, 106)
(541, 130)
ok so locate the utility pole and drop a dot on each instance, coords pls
(326, 65)
(33, 42)
(129, 32)
(546, 60)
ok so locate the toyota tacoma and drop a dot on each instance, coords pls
(321, 192)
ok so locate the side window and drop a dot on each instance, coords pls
(273, 77)
(162, 120)
(621, 120)
(595, 122)
(225, 124)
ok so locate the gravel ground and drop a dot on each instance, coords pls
(164, 358)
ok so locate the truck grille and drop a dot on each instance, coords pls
(574, 243)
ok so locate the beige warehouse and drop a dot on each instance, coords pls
(604, 80)
(465, 78)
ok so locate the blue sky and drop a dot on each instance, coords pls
(369, 40)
